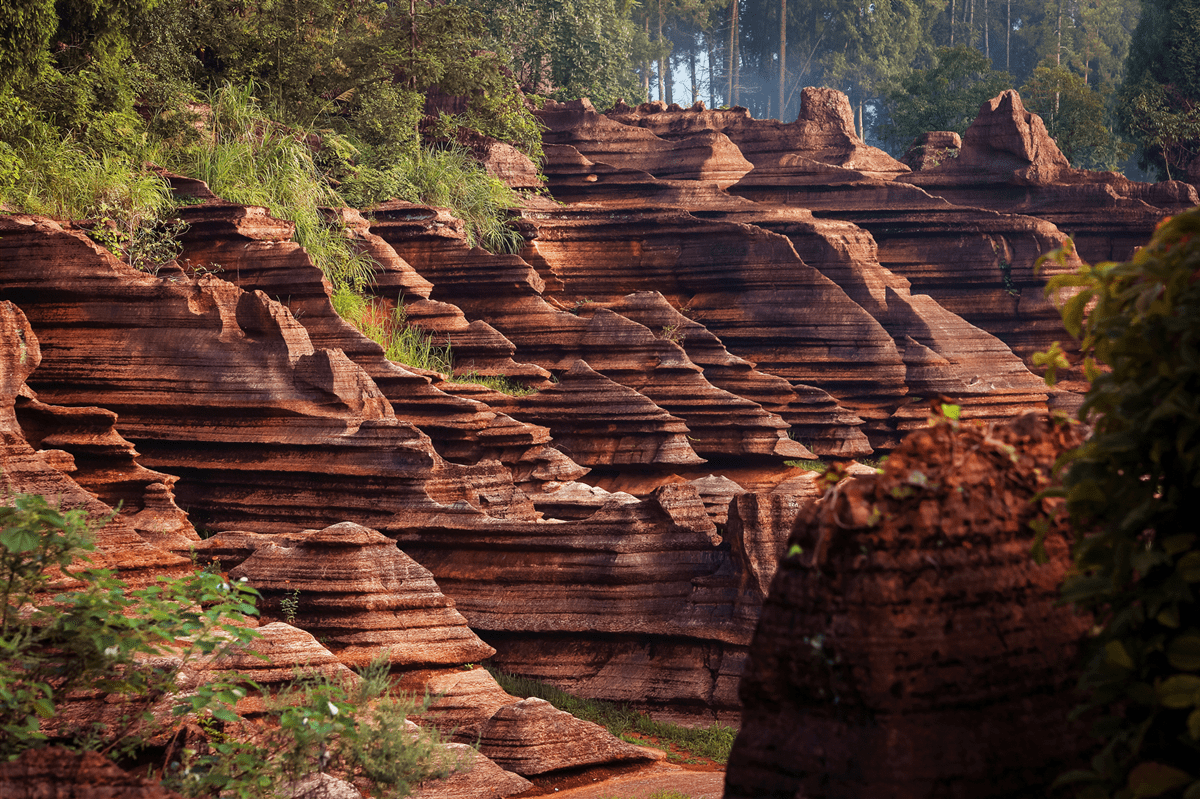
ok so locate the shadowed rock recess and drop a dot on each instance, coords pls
(701, 300)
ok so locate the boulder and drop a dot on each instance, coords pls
(533, 737)
(909, 642)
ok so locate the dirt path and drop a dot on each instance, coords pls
(640, 783)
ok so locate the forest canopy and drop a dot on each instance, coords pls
(115, 77)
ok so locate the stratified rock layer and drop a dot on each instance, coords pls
(533, 737)
(58, 773)
(48, 472)
(364, 598)
(910, 643)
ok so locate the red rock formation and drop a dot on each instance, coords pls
(910, 643)
(48, 472)
(363, 597)
(705, 155)
(477, 777)
(597, 422)
(255, 253)
(931, 149)
(464, 698)
(508, 292)
(533, 737)
(1009, 163)
(816, 419)
(58, 773)
(224, 389)
(819, 145)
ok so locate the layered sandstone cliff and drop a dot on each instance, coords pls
(707, 299)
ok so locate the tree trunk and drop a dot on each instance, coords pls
(712, 69)
(649, 65)
(669, 79)
(987, 47)
(952, 22)
(692, 70)
(1058, 51)
(971, 23)
(412, 33)
(782, 56)
(1008, 38)
(732, 41)
(661, 54)
(861, 132)
(734, 89)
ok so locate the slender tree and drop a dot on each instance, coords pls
(782, 59)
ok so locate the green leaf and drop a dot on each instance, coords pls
(1154, 779)
(1184, 651)
(1179, 691)
(1168, 616)
(1189, 567)
(21, 539)
(1116, 654)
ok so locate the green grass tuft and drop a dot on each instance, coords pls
(713, 742)
(818, 466)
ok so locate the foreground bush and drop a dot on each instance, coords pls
(1133, 491)
(87, 662)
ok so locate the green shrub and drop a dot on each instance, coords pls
(246, 157)
(98, 636)
(316, 724)
(1133, 491)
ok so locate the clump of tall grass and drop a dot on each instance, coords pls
(408, 344)
(247, 158)
(450, 177)
(50, 172)
(713, 742)
(446, 176)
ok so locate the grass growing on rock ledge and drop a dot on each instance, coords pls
(410, 345)
(713, 742)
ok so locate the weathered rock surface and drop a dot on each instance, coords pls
(910, 643)
(824, 130)
(931, 149)
(477, 777)
(255, 253)
(363, 597)
(49, 471)
(464, 698)
(509, 293)
(1008, 162)
(58, 773)
(533, 737)
(704, 155)
(600, 423)
(225, 390)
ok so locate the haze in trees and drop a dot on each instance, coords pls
(1158, 102)
(1075, 117)
(945, 96)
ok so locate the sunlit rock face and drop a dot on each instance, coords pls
(700, 300)
(234, 405)
(841, 215)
